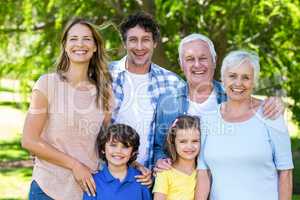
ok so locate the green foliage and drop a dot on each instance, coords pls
(14, 183)
(30, 31)
(296, 197)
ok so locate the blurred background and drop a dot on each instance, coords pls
(29, 46)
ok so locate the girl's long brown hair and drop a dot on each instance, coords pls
(182, 122)
(97, 73)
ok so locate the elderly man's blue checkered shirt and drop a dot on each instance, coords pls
(161, 80)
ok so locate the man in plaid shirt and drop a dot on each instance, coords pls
(138, 83)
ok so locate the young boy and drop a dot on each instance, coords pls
(118, 146)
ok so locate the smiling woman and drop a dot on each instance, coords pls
(254, 150)
(66, 111)
(80, 44)
(239, 76)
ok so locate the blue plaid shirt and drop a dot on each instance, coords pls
(161, 80)
(171, 105)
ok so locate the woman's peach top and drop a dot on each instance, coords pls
(72, 126)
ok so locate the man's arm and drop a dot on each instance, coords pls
(273, 107)
(146, 177)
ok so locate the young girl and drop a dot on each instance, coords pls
(118, 146)
(66, 111)
(183, 145)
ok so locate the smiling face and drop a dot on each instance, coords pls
(187, 143)
(80, 44)
(117, 154)
(139, 45)
(197, 64)
(239, 81)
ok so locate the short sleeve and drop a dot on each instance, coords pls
(201, 164)
(42, 85)
(280, 142)
(161, 184)
(45, 85)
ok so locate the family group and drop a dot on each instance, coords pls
(132, 130)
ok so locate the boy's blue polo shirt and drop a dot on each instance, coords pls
(110, 188)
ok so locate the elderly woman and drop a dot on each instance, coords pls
(243, 155)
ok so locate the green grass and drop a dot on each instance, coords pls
(7, 89)
(16, 105)
(11, 150)
(14, 183)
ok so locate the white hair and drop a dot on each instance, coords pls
(200, 37)
(235, 58)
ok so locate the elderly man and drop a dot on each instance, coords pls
(201, 95)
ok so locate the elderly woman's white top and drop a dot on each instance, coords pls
(243, 157)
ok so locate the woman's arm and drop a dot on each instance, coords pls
(34, 124)
(33, 142)
(282, 155)
(159, 196)
(203, 185)
(146, 177)
(285, 184)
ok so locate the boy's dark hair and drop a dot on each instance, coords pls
(181, 122)
(142, 19)
(121, 133)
